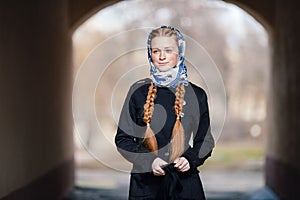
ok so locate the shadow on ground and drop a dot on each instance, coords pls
(80, 193)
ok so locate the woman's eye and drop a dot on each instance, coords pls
(169, 50)
(155, 51)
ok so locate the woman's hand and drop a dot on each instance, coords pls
(156, 167)
(182, 164)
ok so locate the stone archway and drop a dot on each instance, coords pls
(35, 85)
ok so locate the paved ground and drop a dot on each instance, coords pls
(243, 182)
(219, 185)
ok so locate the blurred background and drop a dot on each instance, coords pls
(232, 43)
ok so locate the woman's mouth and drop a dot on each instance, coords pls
(163, 63)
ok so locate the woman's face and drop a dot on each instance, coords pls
(164, 52)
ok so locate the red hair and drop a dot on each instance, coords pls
(177, 139)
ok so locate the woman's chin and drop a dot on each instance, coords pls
(163, 68)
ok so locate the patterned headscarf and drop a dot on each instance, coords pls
(174, 76)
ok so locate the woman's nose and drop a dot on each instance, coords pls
(162, 55)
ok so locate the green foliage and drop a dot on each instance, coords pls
(234, 156)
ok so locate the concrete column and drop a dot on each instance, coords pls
(283, 157)
(36, 144)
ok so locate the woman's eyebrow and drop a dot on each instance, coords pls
(163, 47)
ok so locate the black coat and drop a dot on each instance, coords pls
(131, 130)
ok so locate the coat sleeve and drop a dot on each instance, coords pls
(203, 141)
(129, 136)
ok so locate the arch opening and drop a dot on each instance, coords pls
(237, 44)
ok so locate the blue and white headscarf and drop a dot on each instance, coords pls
(177, 74)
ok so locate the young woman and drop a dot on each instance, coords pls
(164, 127)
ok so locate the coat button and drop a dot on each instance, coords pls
(167, 154)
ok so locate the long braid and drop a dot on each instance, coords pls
(150, 140)
(177, 140)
